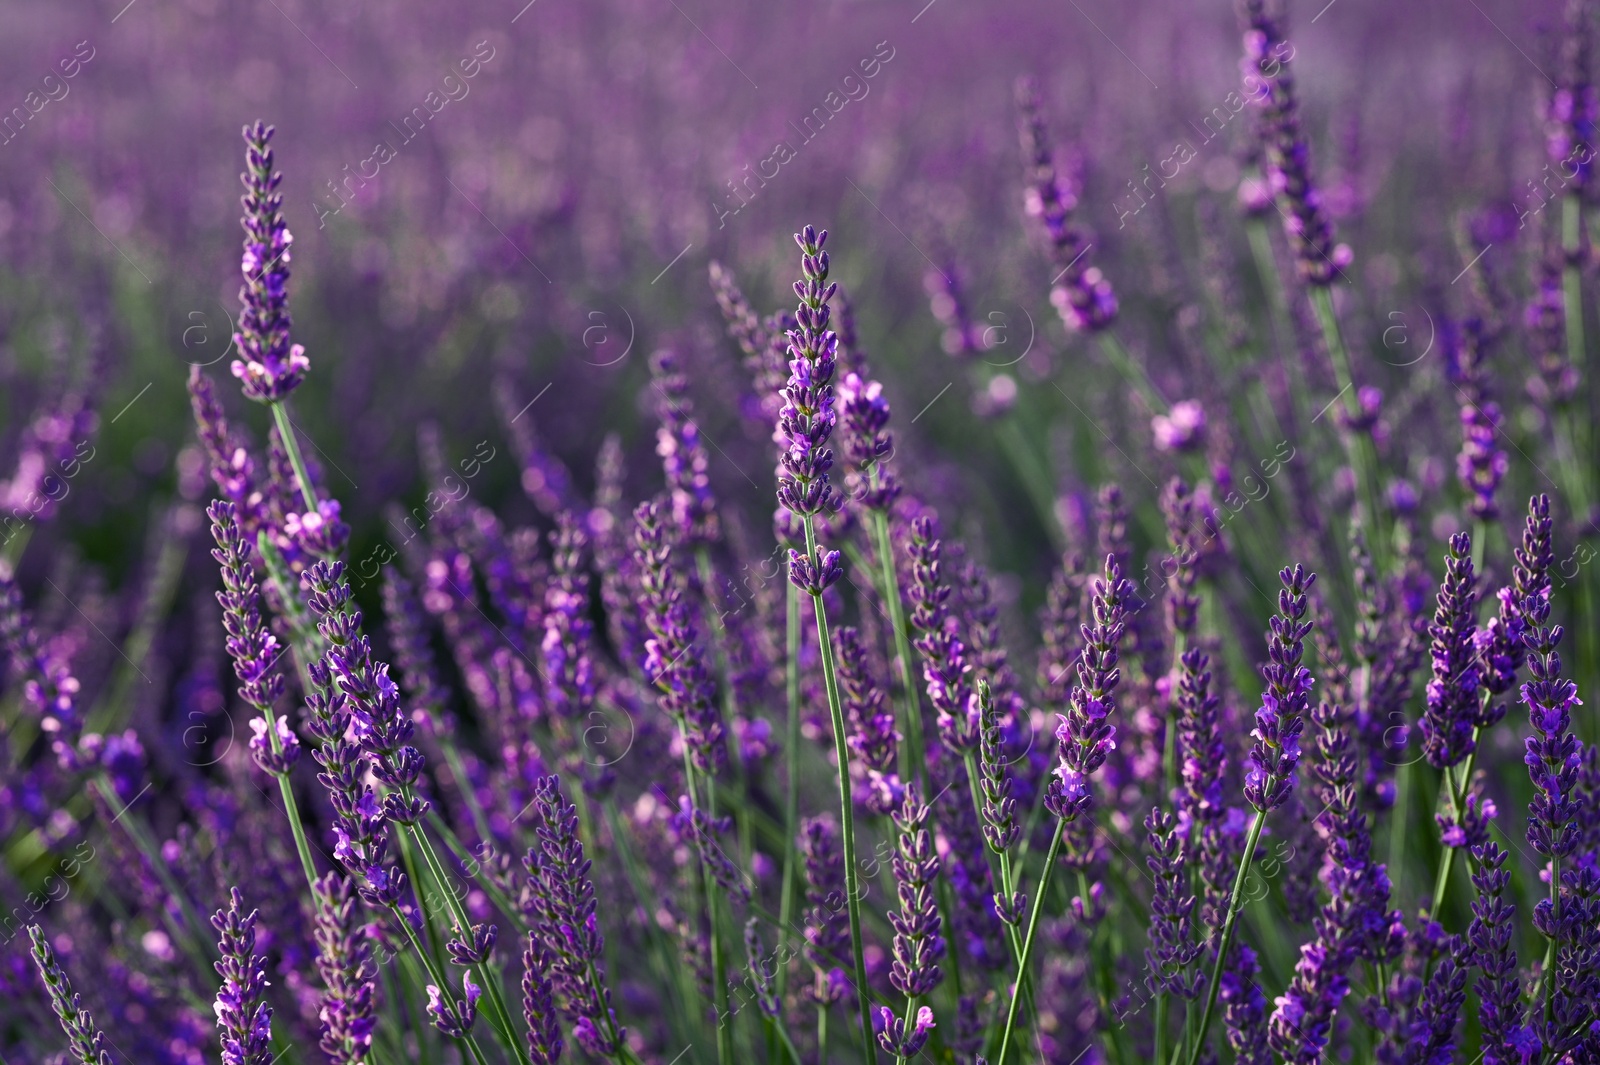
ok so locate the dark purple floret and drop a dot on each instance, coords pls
(944, 663)
(1553, 752)
(807, 419)
(538, 1004)
(868, 444)
(918, 939)
(1001, 825)
(87, 1041)
(1451, 711)
(1285, 699)
(455, 1017)
(1085, 736)
(673, 660)
(243, 1016)
(897, 1040)
(1480, 465)
(873, 736)
(1173, 945)
(1503, 643)
(1499, 986)
(344, 962)
(1080, 292)
(270, 367)
(1269, 85)
(683, 455)
(561, 905)
(1244, 1008)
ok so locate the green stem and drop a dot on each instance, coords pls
(847, 818)
(301, 845)
(719, 963)
(1132, 371)
(1228, 927)
(791, 803)
(1029, 939)
(437, 976)
(1363, 454)
(291, 446)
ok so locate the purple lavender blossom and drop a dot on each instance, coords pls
(1268, 84)
(538, 1004)
(1502, 639)
(243, 1016)
(455, 1017)
(561, 904)
(918, 943)
(808, 414)
(1085, 736)
(1494, 952)
(826, 927)
(683, 456)
(1244, 1007)
(672, 656)
(1173, 944)
(253, 649)
(568, 668)
(1451, 711)
(867, 442)
(344, 961)
(1281, 718)
(231, 466)
(1081, 293)
(86, 1039)
(1553, 751)
(897, 1040)
(1480, 465)
(944, 663)
(873, 736)
(270, 367)
(49, 687)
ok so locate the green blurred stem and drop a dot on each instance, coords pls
(847, 818)
(301, 845)
(719, 961)
(791, 803)
(1572, 306)
(291, 446)
(1030, 938)
(1225, 942)
(1363, 454)
(1132, 371)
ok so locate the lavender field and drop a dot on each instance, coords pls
(688, 533)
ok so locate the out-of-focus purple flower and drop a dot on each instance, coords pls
(50, 689)
(918, 942)
(1244, 1012)
(538, 1004)
(827, 926)
(761, 971)
(873, 736)
(1573, 111)
(1545, 320)
(561, 905)
(455, 1017)
(1281, 718)
(269, 366)
(1269, 85)
(1182, 429)
(1502, 642)
(944, 663)
(569, 670)
(701, 829)
(673, 660)
(1480, 464)
(1472, 830)
(947, 300)
(232, 467)
(1183, 605)
(1085, 736)
(50, 451)
(1080, 293)
(683, 456)
(344, 961)
(407, 629)
(243, 1016)
(1451, 710)
(867, 442)
(87, 1041)
(896, 1039)
(808, 415)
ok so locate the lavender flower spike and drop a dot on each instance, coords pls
(808, 416)
(538, 1004)
(344, 961)
(1281, 718)
(1085, 737)
(271, 367)
(918, 944)
(1452, 704)
(1553, 751)
(944, 663)
(88, 1043)
(243, 1015)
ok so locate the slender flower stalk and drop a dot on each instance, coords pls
(806, 423)
(1273, 758)
(87, 1042)
(1084, 739)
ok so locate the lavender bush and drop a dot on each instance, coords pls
(1120, 593)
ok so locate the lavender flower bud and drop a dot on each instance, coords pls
(944, 664)
(1085, 736)
(1502, 640)
(896, 1040)
(271, 367)
(87, 1041)
(1452, 704)
(538, 1004)
(1001, 826)
(243, 1016)
(1499, 985)
(826, 925)
(873, 737)
(232, 468)
(1480, 465)
(1173, 945)
(683, 456)
(454, 1018)
(1283, 704)
(344, 961)
(762, 974)
(1553, 751)
(867, 442)
(918, 944)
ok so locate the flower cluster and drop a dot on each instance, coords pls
(1281, 718)
(269, 367)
